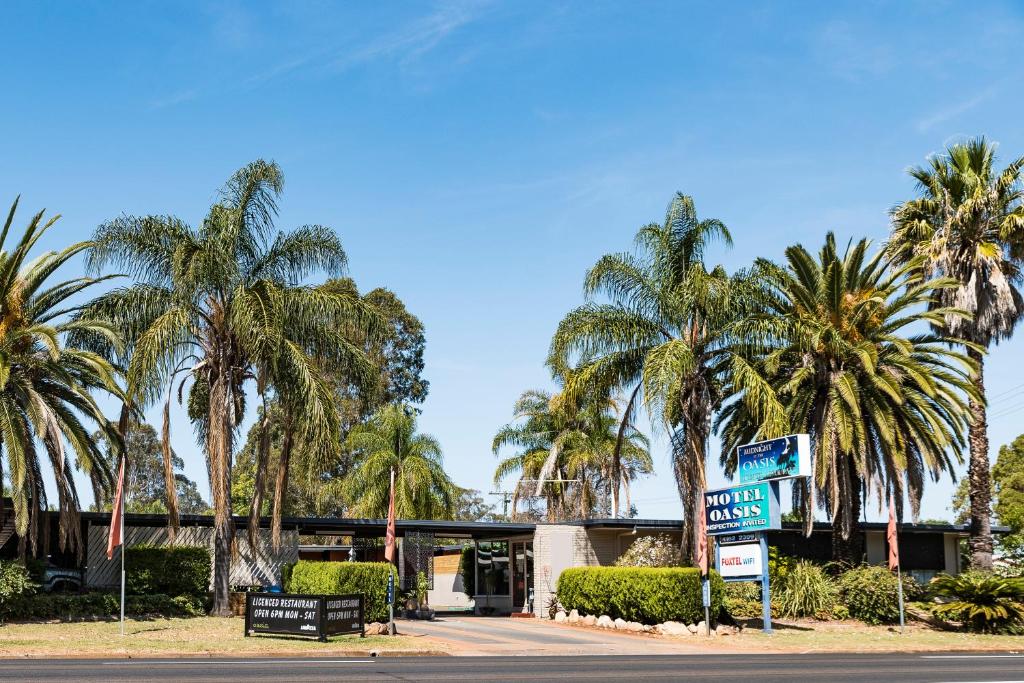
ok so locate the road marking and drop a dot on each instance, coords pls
(972, 656)
(256, 662)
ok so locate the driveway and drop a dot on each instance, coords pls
(468, 635)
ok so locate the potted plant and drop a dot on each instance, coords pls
(422, 588)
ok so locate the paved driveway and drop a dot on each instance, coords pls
(466, 635)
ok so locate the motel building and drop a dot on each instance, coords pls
(512, 567)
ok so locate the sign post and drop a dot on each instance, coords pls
(740, 516)
(391, 603)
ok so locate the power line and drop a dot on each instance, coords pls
(1011, 390)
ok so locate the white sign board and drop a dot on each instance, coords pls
(735, 561)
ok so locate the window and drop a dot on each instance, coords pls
(492, 568)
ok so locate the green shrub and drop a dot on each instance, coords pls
(646, 595)
(660, 550)
(340, 578)
(983, 602)
(167, 570)
(870, 594)
(742, 599)
(807, 592)
(468, 570)
(14, 582)
(286, 576)
(71, 607)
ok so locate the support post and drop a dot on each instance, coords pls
(766, 595)
(899, 589)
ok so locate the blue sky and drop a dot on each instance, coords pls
(477, 158)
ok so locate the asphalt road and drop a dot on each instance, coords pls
(873, 668)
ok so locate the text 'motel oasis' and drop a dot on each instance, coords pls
(782, 458)
(748, 507)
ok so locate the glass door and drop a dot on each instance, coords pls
(522, 576)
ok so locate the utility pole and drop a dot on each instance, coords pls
(506, 498)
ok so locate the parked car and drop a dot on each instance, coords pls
(61, 580)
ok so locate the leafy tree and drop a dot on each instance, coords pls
(221, 305)
(471, 507)
(146, 490)
(389, 440)
(884, 405)
(46, 386)
(1008, 501)
(662, 337)
(968, 225)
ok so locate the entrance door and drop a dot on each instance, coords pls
(522, 576)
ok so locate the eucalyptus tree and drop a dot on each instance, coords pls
(47, 385)
(570, 454)
(216, 307)
(657, 327)
(968, 224)
(843, 341)
(389, 441)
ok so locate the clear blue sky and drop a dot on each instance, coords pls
(477, 158)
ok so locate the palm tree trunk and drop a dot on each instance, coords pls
(221, 432)
(847, 536)
(979, 476)
(281, 482)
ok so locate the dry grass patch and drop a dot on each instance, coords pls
(179, 637)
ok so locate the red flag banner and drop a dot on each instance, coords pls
(890, 536)
(702, 537)
(389, 536)
(116, 527)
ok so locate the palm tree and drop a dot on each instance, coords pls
(885, 405)
(968, 225)
(569, 454)
(389, 441)
(661, 336)
(222, 304)
(46, 387)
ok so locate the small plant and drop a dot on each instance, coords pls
(742, 600)
(652, 551)
(984, 602)
(422, 588)
(552, 606)
(807, 592)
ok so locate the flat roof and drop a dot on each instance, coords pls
(373, 528)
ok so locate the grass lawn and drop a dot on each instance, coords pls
(179, 637)
(853, 636)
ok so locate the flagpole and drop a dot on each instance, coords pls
(122, 555)
(899, 588)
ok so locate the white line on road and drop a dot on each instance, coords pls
(972, 656)
(256, 662)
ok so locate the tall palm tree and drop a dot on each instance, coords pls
(389, 440)
(46, 387)
(661, 335)
(968, 224)
(571, 455)
(885, 404)
(222, 305)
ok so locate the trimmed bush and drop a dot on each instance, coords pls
(742, 600)
(644, 594)
(72, 607)
(168, 570)
(14, 583)
(340, 578)
(870, 594)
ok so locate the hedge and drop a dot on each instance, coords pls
(340, 578)
(168, 570)
(467, 567)
(73, 606)
(648, 595)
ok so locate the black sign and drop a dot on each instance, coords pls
(738, 538)
(303, 615)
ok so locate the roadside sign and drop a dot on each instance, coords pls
(705, 592)
(744, 508)
(782, 458)
(738, 561)
(391, 588)
(304, 615)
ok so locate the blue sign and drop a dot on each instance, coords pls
(748, 507)
(391, 588)
(782, 458)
